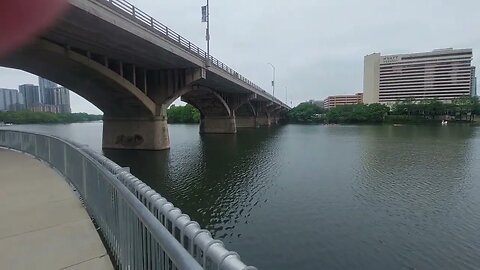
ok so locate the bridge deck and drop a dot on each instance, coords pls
(43, 224)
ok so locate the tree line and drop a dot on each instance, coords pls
(409, 110)
(176, 114)
(28, 117)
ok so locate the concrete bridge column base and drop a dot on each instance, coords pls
(220, 125)
(274, 120)
(246, 122)
(138, 134)
(264, 121)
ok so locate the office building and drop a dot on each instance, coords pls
(441, 74)
(9, 100)
(30, 95)
(44, 85)
(334, 101)
(56, 100)
(62, 99)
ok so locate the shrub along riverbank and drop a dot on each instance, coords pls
(407, 111)
(28, 117)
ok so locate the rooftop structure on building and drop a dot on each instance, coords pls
(442, 74)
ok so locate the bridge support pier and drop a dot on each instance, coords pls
(221, 125)
(136, 133)
(246, 121)
(264, 121)
(274, 120)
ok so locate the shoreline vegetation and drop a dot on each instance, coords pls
(28, 117)
(463, 109)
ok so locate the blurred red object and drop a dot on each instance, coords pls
(22, 20)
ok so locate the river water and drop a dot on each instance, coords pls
(321, 197)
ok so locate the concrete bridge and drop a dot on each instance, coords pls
(132, 68)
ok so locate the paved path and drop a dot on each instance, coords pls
(42, 223)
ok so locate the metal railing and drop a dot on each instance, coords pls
(163, 31)
(141, 229)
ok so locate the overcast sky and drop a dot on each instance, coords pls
(317, 46)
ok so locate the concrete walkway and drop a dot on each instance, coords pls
(42, 223)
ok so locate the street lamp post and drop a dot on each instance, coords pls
(273, 80)
(286, 91)
(206, 18)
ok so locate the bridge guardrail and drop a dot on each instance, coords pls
(148, 21)
(141, 228)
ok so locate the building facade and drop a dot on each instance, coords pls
(30, 95)
(441, 74)
(474, 83)
(334, 101)
(9, 100)
(53, 98)
(43, 86)
(62, 99)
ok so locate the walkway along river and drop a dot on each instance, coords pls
(321, 197)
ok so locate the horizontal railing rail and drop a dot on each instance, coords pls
(141, 229)
(163, 31)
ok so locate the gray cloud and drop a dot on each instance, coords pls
(316, 45)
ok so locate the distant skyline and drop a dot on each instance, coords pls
(316, 46)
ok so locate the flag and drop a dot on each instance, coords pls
(204, 14)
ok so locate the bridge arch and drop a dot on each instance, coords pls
(216, 116)
(246, 115)
(207, 101)
(103, 87)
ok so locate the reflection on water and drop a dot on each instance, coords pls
(213, 181)
(322, 197)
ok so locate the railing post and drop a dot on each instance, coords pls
(166, 31)
(65, 160)
(133, 11)
(84, 179)
(36, 148)
(49, 151)
(151, 22)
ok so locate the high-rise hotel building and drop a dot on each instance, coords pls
(441, 74)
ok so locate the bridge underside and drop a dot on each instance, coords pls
(134, 76)
(135, 99)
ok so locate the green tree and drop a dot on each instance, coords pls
(358, 113)
(183, 114)
(466, 106)
(306, 112)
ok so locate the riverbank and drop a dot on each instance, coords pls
(28, 117)
(425, 111)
